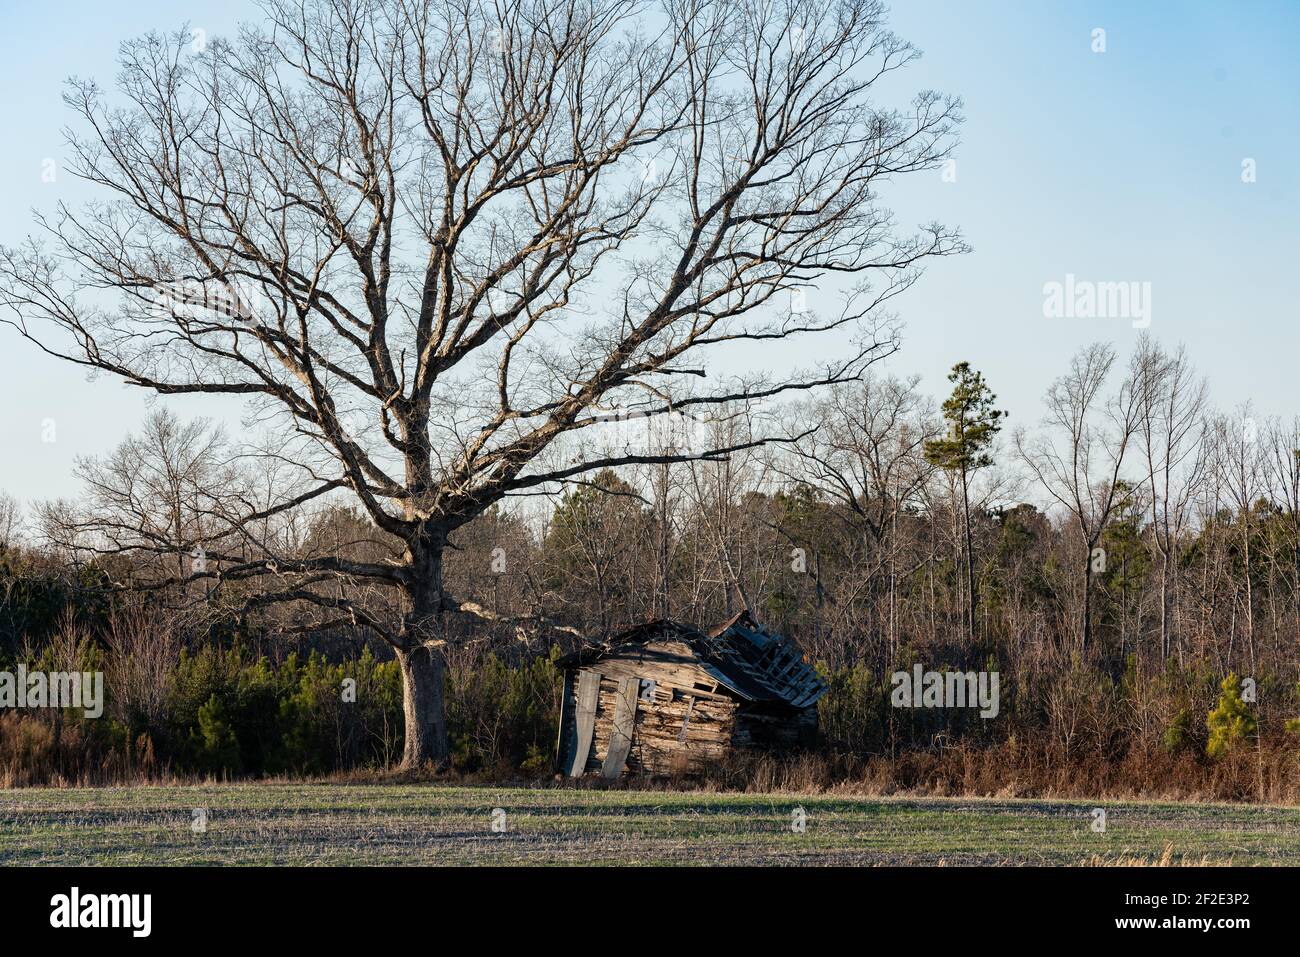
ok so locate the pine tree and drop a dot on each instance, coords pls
(973, 422)
(1231, 722)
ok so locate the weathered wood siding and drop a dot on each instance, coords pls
(685, 699)
(686, 724)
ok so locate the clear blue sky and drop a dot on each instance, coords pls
(1123, 165)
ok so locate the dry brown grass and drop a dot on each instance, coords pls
(1007, 770)
(1168, 858)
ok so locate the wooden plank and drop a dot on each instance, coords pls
(686, 721)
(567, 737)
(584, 719)
(620, 736)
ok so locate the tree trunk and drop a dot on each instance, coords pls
(1164, 606)
(423, 670)
(1250, 593)
(422, 662)
(1087, 603)
(1296, 561)
(972, 597)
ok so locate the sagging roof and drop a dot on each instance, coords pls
(751, 662)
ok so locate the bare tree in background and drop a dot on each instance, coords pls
(432, 242)
(1171, 401)
(11, 521)
(1078, 457)
(717, 492)
(1239, 463)
(173, 482)
(867, 456)
(1282, 463)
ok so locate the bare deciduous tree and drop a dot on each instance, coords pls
(1079, 456)
(1170, 434)
(430, 241)
(11, 521)
(1282, 462)
(1239, 466)
(863, 448)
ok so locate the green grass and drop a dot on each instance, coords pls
(428, 824)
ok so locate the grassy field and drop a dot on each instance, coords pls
(427, 824)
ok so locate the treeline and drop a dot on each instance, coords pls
(1130, 565)
(184, 708)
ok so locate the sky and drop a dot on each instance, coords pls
(1117, 166)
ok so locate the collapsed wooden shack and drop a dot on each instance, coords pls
(667, 698)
